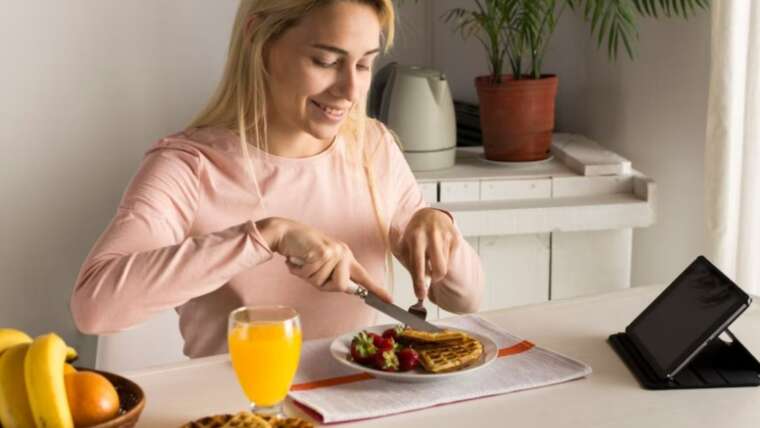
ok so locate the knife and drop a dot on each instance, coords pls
(389, 309)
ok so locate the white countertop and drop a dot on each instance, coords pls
(610, 397)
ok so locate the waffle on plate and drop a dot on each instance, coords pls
(412, 335)
(444, 351)
(247, 420)
(450, 356)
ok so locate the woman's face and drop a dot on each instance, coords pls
(320, 68)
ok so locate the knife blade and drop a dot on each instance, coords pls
(389, 309)
(394, 311)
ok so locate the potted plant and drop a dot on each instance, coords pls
(517, 109)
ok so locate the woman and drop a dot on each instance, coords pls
(280, 183)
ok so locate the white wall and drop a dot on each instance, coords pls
(653, 111)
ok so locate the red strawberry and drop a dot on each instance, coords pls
(408, 359)
(386, 360)
(383, 343)
(394, 332)
(363, 349)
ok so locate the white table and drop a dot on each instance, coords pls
(610, 397)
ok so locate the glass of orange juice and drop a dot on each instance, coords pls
(265, 346)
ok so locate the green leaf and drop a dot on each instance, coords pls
(520, 30)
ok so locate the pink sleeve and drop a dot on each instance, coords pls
(145, 262)
(462, 288)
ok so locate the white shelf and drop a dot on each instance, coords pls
(543, 228)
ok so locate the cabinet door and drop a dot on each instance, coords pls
(590, 262)
(516, 269)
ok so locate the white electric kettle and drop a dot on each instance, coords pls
(415, 102)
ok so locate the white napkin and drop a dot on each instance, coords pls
(338, 393)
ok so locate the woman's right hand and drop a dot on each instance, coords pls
(328, 264)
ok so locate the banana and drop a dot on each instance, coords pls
(43, 373)
(14, 402)
(71, 354)
(12, 337)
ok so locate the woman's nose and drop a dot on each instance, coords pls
(348, 85)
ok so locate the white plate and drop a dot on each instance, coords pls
(340, 348)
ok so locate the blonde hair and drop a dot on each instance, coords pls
(239, 103)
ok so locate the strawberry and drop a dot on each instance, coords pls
(408, 359)
(363, 349)
(381, 342)
(386, 360)
(394, 332)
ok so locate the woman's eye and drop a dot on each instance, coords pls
(363, 67)
(323, 64)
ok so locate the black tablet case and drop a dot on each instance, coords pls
(720, 364)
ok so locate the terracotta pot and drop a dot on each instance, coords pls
(517, 117)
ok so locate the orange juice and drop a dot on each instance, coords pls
(265, 358)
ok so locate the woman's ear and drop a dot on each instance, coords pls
(250, 23)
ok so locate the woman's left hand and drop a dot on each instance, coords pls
(428, 241)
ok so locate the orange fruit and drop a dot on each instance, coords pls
(68, 368)
(92, 398)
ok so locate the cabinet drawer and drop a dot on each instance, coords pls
(429, 192)
(504, 190)
(460, 191)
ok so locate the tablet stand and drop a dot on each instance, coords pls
(720, 364)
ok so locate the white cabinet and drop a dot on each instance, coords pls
(590, 262)
(516, 268)
(510, 190)
(459, 191)
(555, 229)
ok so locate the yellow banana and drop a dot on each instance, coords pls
(43, 372)
(71, 354)
(12, 337)
(14, 402)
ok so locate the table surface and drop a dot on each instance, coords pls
(578, 328)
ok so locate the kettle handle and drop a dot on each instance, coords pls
(377, 90)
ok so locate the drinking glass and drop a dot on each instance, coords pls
(265, 346)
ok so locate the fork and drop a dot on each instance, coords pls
(418, 309)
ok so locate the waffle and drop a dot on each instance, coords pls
(239, 420)
(451, 356)
(412, 335)
(286, 422)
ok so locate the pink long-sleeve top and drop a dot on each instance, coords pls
(184, 237)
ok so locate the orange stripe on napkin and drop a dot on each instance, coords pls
(331, 382)
(516, 349)
(342, 380)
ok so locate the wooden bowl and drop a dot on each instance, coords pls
(131, 400)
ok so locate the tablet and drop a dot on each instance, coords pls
(694, 309)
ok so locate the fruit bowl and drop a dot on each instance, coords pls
(131, 399)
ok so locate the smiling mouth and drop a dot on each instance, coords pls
(330, 111)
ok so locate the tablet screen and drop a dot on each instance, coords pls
(700, 301)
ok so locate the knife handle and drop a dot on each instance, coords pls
(358, 290)
(353, 287)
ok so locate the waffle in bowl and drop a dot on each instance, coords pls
(247, 420)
